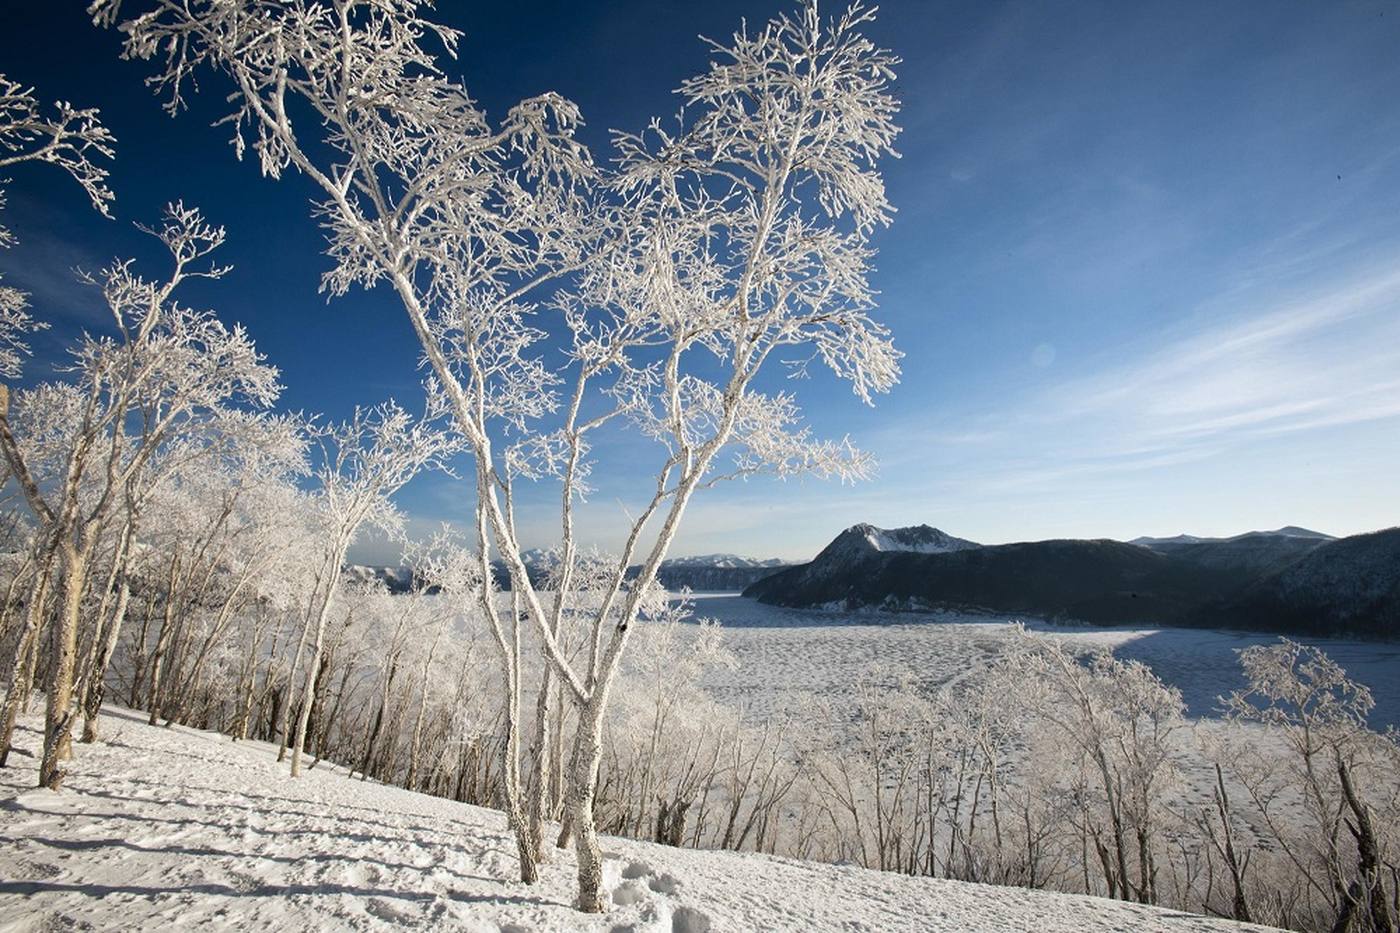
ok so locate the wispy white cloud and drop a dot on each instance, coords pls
(1329, 358)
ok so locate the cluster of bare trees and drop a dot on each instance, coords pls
(1079, 772)
(1050, 768)
(154, 518)
(156, 506)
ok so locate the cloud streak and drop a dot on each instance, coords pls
(1328, 359)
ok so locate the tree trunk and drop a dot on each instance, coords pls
(285, 730)
(556, 759)
(313, 671)
(318, 725)
(248, 679)
(186, 687)
(16, 695)
(1115, 814)
(1368, 890)
(373, 735)
(96, 687)
(583, 783)
(1239, 908)
(415, 748)
(323, 747)
(60, 710)
(138, 661)
(10, 605)
(167, 631)
(510, 787)
(540, 784)
(30, 668)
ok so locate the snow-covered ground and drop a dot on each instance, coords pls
(785, 653)
(165, 828)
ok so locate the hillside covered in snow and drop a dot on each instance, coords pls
(159, 827)
(716, 572)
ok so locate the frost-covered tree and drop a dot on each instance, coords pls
(363, 462)
(464, 220)
(75, 140)
(738, 235)
(223, 517)
(44, 417)
(165, 365)
(749, 239)
(1331, 801)
(1108, 725)
(227, 469)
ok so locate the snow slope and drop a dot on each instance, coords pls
(160, 828)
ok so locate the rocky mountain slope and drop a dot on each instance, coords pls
(1094, 581)
(396, 579)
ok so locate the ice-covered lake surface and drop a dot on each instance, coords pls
(783, 654)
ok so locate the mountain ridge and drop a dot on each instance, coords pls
(1288, 580)
(1287, 531)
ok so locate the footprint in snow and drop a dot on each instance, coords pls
(684, 919)
(34, 871)
(665, 883)
(383, 910)
(628, 893)
(689, 920)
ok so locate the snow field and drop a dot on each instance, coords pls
(174, 828)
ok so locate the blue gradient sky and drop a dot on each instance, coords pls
(1146, 266)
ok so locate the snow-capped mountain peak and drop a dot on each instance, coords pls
(918, 539)
(723, 561)
(860, 541)
(539, 556)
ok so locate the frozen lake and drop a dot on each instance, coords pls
(784, 653)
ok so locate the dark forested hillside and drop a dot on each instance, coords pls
(1272, 581)
(1350, 586)
(1094, 581)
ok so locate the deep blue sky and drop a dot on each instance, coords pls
(1146, 266)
